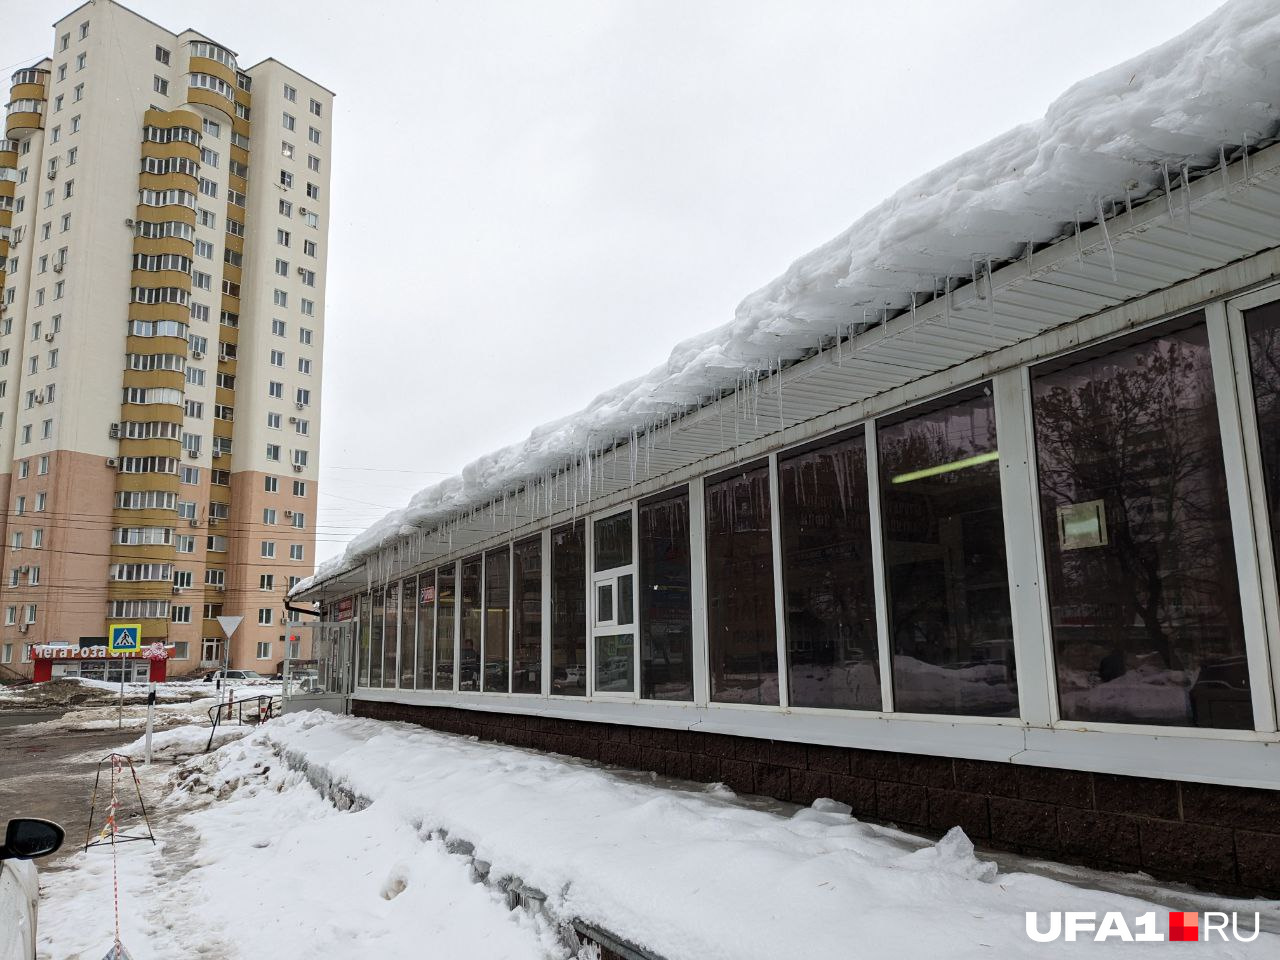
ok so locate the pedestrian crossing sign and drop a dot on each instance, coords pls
(125, 638)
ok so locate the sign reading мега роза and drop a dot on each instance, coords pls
(125, 638)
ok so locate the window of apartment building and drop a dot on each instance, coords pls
(282, 267)
(26, 433)
(208, 188)
(296, 551)
(278, 327)
(313, 191)
(264, 649)
(69, 189)
(42, 498)
(315, 107)
(72, 156)
(201, 280)
(301, 427)
(290, 94)
(309, 247)
(186, 508)
(209, 158)
(269, 516)
(162, 55)
(304, 336)
(42, 466)
(299, 458)
(160, 85)
(62, 72)
(77, 94)
(280, 298)
(275, 390)
(81, 60)
(267, 549)
(313, 163)
(212, 128)
(46, 429)
(304, 365)
(180, 614)
(287, 121)
(24, 469)
(277, 358)
(282, 237)
(214, 578)
(204, 248)
(235, 228)
(193, 408)
(299, 488)
(84, 29)
(271, 484)
(308, 307)
(75, 123)
(64, 41)
(273, 421)
(308, 277)
(273, 451)
(313, 135)
(64, 225)
(286, 149)
(299, 520)
(37, 537)
(264, 620)
(303, 397)
(267, 581)
(195, 376)
(184, 543)
(286, 178)
(286, 208)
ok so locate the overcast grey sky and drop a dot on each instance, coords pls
(534, 201)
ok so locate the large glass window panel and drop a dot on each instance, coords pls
(408, 631)
(497, 611)
(391, 638)
(944, 558)
(363, 608)
(1262, 326)
(666, 608)
(1144, 598)
(741, 635)
(470, 612)
(446, 582)
(828, 581)
(615, 663)
(376, 625)
(526, 613)
(426, 628)
(612, 544)
(569, 610)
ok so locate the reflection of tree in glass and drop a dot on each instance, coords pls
(1138, 430)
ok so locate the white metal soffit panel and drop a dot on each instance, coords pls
(1221, 218)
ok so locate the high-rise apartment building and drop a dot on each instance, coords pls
(164, 213)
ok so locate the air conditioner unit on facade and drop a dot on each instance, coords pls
(293, 419)
(23, 627)
(193, 454)
(52, 174)
(288, 514)
(48, 338)
(300, 406)
(57, 267)
(24, 569)
(197, 355)
(177, 590)
(128, 222)
(283, 621)
(111, 462)
(297, 468)
(220, 587)
(213, 521)
(38, 398)
(194, 522)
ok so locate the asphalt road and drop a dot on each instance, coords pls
(51, 776)
(17, 718)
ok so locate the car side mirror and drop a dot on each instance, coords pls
(28, 838)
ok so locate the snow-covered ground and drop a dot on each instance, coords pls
(254, 862)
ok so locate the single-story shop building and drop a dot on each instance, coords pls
(972, 517)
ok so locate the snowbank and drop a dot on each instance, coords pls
(1107, 139)
(252, 863)
(689, 873)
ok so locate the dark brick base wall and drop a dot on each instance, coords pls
(1225, 839)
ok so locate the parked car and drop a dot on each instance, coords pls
(24, 840)
(213, 675)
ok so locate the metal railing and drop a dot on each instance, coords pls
(264, 707)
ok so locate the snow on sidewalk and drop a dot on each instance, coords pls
(253, 863)
(689, 873)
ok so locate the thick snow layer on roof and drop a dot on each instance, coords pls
(1117, 135)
